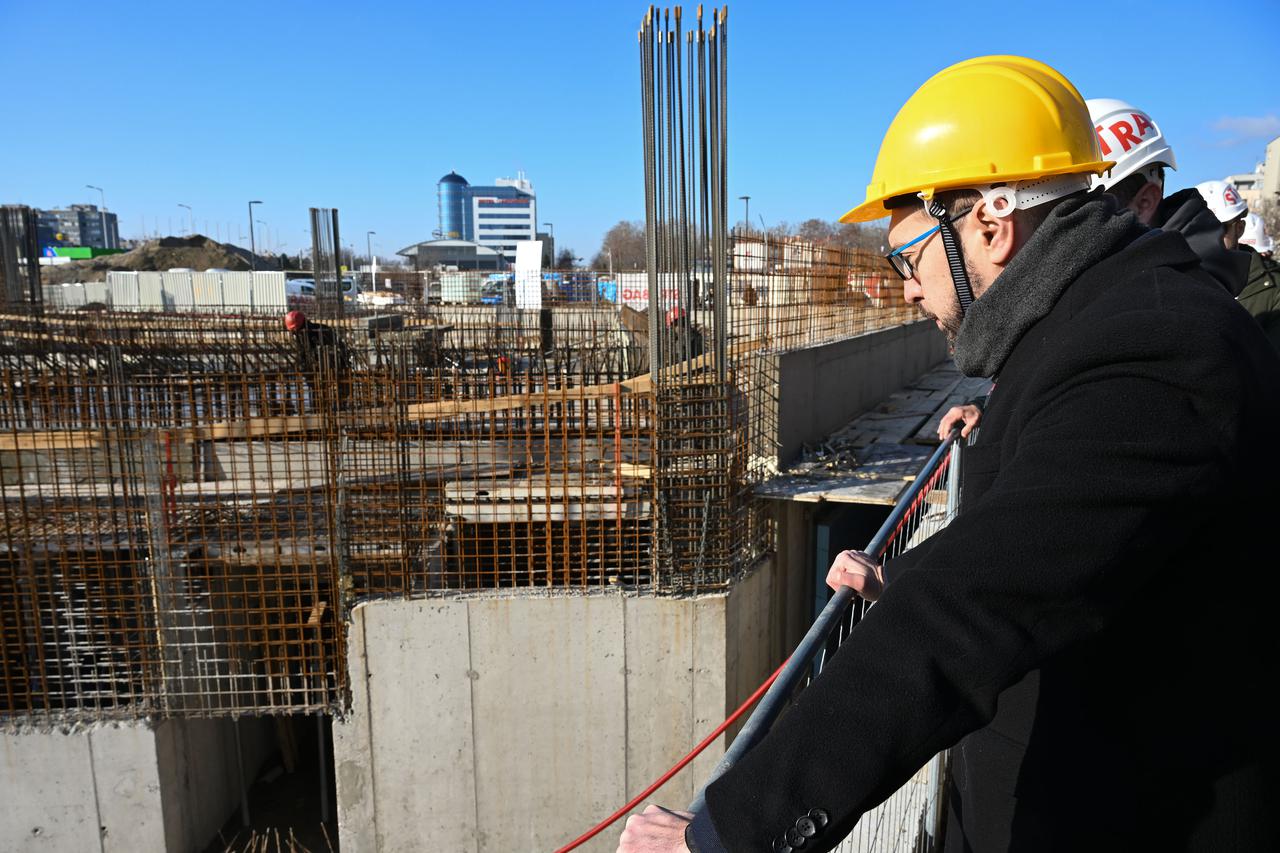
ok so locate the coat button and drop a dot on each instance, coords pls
(794, 838)
(808, 827)
(780, 845)
(820, 817)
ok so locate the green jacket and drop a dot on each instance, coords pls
(1261, 295)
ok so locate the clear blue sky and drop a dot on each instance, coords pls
(364, 106)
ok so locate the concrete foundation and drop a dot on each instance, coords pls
(515, 722)
(131, 788)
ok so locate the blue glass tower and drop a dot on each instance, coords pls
(453, 197)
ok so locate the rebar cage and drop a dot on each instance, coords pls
(192, 503)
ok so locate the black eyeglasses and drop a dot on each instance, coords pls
(900, 263)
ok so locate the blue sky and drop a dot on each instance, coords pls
(364, 106)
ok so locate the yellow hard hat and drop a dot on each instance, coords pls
(994, 119)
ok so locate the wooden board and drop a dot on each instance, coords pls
(264, 427)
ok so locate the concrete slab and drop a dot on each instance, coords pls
(888, 445)
(418, 677)
(128, 785)
(550, 676)
(123, 788)
(661, 649)
(822, 387)
(515, 721)
(353, 748)
(48, 785)
(711, 703)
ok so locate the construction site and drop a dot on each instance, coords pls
(220, 543)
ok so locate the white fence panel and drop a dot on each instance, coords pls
(268, 291)
(206, 292)
(151, 291)
(123, 287)
(178, 294)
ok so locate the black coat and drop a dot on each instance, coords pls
(1187, 213)
(1098, 615)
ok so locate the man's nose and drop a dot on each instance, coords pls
(912, 292)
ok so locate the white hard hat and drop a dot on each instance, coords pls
(1223, 199)
(1255, 234)
(1128, 136)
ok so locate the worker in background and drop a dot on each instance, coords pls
(323, 357)
(1125, 463)
(683, 340)
(1255, 236)
(1261, 295)
(1224, 201)
(1133, 139)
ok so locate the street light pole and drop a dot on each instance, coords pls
(373, 273)
(190, 214)
(253, 246)
(746, 214)
(102, 215)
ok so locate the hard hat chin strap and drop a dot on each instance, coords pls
(955, 260)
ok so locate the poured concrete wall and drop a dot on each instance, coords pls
(131, 788)
(824, 387)
(517, 721)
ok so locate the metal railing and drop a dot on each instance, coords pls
(911, 818)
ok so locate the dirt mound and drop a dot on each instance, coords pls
(196, 252)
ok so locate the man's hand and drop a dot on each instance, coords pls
(655, 830)
(967, 414)
(856, 570)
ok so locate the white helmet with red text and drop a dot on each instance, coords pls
(1224, 200)
(1130, 137)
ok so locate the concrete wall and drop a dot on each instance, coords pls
(132, 788)
(821, 388)
(517, 721)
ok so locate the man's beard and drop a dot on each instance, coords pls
(950, 319)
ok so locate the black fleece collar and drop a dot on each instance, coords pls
(1075, 236)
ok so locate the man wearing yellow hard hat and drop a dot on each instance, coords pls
(1092, 634)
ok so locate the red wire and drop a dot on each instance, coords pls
(679, 765)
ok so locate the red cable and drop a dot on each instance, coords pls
(679, 765)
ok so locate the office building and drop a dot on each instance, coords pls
(78, 225)
(497, 216)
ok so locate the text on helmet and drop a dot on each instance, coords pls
(1123, 134)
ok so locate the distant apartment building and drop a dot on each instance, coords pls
(1262, 185)
(78, 225)
(496, 216)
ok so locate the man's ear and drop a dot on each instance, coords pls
(1146, 200)
(997, 236)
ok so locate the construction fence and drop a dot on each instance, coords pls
(192, 503)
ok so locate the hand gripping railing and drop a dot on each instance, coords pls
(815, 641)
